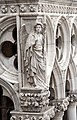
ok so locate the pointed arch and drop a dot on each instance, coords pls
(11, 93)
(50, 48)
(73, 74)
(6, 23)
(62, 21)
(59, 88)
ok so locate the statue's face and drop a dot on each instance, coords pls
(38, 28)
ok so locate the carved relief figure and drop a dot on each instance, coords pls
(34, 57)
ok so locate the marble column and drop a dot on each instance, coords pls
(71, 112)
(58, 116)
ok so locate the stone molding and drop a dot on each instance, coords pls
(37, 7)
(45, 115)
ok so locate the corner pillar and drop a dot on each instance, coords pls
(71, 112)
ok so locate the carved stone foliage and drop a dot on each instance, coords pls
(32, 8)
(73, 97)
(4, 9)
(61, 105)
(23, 8)
(14, 117)
(13, 9)
(34, 100)
(45, 115)
(28, 117)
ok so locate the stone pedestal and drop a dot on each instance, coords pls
(71, 112)
(44, 115)
(34, 105)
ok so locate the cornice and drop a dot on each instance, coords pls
(36, 8)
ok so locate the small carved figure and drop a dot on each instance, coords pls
(34, 57)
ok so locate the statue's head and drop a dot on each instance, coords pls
(38, 27)
(39, 23)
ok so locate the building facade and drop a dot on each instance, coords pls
(38, 60)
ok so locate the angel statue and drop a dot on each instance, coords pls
(34, 57)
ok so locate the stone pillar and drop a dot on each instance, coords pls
(58, 116)
(71, 112)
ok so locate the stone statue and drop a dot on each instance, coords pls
(34, 57)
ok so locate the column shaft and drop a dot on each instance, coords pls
(71, 112)
(58, 116)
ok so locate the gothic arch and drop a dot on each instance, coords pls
(74, 39)
(63, 23)
(73, 74)
(6, 23)
(58, 81)
(11, 93)
(74, 20)
(50, 46)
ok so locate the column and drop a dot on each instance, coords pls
(71, 112)
(58, 116)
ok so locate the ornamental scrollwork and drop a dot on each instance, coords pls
(26, 117)
(32, 8)
(23, 8)
(42, 7)
(13, 9)
(4, 9)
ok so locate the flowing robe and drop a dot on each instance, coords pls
(34, 59)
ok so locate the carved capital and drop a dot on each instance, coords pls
(34, 100)
(73, 98)
(61, 105)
